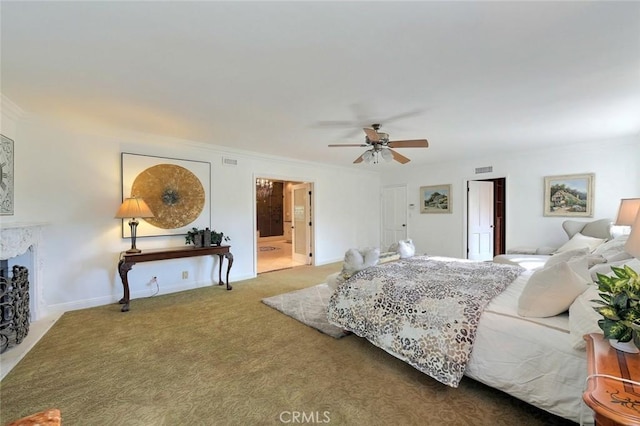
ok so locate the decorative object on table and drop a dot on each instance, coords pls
(620, 307)
(133, 209)
(435, 199)
(569, 195)
(6, 176)
(199, 237)
(177, 191)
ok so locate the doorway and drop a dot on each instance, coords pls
(486, 218)
(275, 221)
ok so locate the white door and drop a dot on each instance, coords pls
(480, 220)
(394, 215)
(301, 223)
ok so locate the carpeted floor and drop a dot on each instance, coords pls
(216, 357)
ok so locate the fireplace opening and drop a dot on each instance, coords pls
(14, 304)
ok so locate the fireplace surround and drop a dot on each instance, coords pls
(21, 244)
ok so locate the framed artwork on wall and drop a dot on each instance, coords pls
(6, 176)
(569, 195)
(177, 191)
(435, 199)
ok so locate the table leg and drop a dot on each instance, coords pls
(229, 257)
(123, 269)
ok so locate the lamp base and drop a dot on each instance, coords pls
(134, 250)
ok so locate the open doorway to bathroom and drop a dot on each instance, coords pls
(281, 232)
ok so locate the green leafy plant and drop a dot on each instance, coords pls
(216, 237)
(620, 302)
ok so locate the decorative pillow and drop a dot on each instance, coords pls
(576, 259)
(581, 241)
(356, 260)
(582, 318)
(406, 248)
(600, 228)
(550, 291)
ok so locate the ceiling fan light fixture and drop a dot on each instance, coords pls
(368, 156)
(386, 154)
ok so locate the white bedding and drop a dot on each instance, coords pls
(529, 262)
(529, 358)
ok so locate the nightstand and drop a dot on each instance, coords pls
(614, 402)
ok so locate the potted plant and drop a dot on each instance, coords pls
(197, 237)
(620, 300)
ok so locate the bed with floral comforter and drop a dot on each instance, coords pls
(423, 310)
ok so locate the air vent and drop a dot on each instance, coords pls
(229, 161)
(487, 169)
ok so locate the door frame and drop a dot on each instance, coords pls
(465, 206)
(285, 178)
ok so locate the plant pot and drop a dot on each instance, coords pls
(628, 347)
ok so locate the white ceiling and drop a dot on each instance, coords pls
(472, 77)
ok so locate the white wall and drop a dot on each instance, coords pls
(616, 176)
(70, 179)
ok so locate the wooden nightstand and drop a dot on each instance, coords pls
(614, 402)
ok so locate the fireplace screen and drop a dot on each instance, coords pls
(14, 306)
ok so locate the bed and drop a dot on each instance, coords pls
(536, 359)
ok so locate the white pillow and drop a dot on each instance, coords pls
(613, 250)
(370, 256)
(577, 260)
(583, 319)
(581, 241)
(550, 291)
(406, 249)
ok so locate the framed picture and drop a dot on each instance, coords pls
(569, 195)
(435, 199)
(6, 176)
(177, 191)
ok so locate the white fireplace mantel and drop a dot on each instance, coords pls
(17, 239)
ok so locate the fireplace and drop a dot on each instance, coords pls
(20, 245)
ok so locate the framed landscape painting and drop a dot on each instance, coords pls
(435, 199)
(569, 195)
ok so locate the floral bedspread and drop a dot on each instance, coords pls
(423, 310)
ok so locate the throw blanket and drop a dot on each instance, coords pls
(423, 310)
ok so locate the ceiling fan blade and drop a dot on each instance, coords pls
(372, 134)
(359, 159)
(414, 143)
(399, 157)
(349, 144)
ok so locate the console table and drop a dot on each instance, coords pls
(127, 260)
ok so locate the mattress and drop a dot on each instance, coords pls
(529, 358)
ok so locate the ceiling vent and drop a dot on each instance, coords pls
(487, 169)
(229, 161)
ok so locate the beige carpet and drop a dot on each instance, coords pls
(309, 306)
(215, 357)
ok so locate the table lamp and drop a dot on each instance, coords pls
(133, 208)
(632, 245)
(628, 211)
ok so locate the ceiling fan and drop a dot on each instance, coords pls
(380, 146)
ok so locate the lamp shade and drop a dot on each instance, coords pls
(632, 245)
(133, 208)
(628, 211)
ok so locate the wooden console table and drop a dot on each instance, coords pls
(613, 401)
(127, 261)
